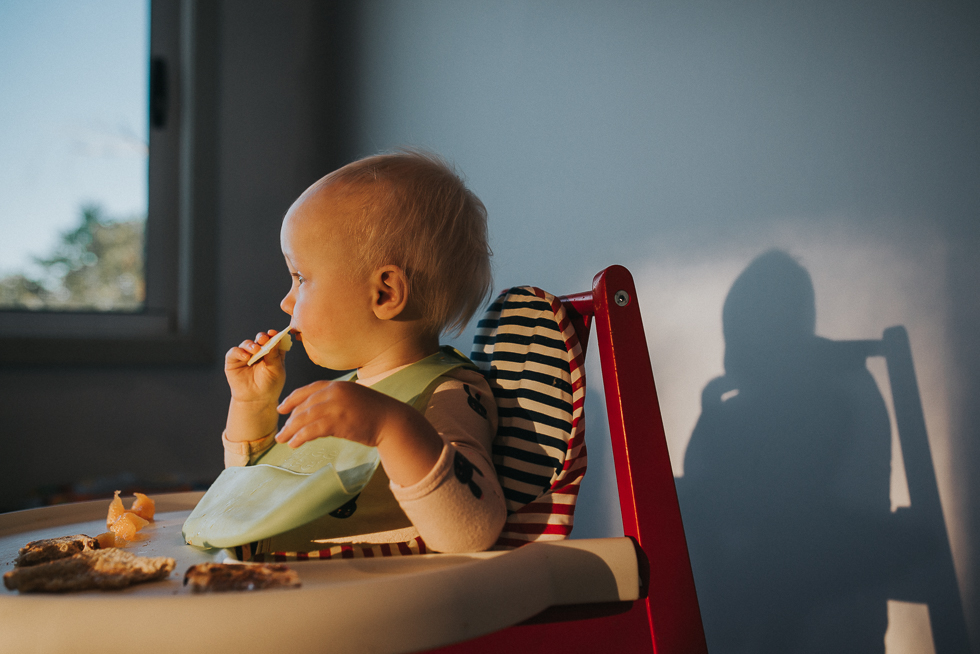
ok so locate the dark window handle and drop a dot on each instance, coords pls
(158, 92)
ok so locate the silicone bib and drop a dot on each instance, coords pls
(289, 487)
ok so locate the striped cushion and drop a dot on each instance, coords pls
(528, 349)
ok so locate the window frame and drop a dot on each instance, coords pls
(177, 324)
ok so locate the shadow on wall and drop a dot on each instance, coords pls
(785, 495)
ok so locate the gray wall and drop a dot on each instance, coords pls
(679, 139)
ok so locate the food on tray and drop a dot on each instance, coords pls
(285, 345)
(108, 539)
(116, 509)
(143, 506)
(126, 526)
(49, 549)
(124, 523)
(218, 577)
(95, 569)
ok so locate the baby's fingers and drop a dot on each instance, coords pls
(263, 337)
(300, 395)
(249, 346)
(297, 438)
(302, 427)
(237, 354)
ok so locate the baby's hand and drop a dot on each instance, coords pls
(342, 409)
(262, 381)
(408, 444)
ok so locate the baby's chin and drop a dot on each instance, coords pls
(307, 347)
(319, 358)
(333, 357)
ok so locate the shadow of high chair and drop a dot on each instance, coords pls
(923, 559)
(666, 619)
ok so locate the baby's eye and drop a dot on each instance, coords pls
(299, 278)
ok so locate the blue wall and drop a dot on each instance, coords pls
(685, 139)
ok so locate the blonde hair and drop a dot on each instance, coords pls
(416, 213)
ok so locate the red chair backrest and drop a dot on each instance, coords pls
(647, 495)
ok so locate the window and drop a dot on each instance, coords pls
(68, 166)
(158, 309)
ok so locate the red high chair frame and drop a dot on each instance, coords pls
(666, 619)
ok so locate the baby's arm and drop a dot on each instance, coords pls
(441, 471)
(408, 445)
(255, 390)
(459, 506)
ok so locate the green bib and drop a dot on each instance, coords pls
(287, 487)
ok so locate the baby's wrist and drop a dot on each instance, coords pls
(232, 435)
(251, 420)
(255, 405)
(241, 431)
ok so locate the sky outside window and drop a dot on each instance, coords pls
(73, 121)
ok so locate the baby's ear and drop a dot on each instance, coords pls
(390, 288)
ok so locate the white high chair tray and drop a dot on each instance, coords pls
(397, 604)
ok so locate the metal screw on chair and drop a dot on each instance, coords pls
(622, 298)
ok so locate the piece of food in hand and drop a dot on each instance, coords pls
(143, 506)
(220, 577)
(282, 339)
(107, 569)
(50, 549)
(126, 526)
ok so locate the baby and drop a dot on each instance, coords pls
(385, 254)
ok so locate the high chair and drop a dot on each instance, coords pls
(629, 594)
(666, 619)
